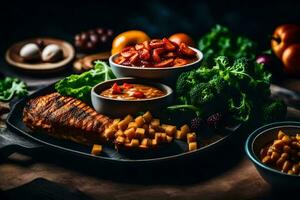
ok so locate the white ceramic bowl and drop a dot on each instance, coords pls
(166, 73)
(120, 108)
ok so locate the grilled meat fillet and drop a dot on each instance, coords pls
(66, 118)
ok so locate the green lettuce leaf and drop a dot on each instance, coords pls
(80, 85)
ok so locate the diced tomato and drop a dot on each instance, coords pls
(146, 45)
(165, 63)
(128, 54)
(145, 63)
(185, 50)
(127, 85)
(120, 60)
(128, 48)
(156, 54)
(155, 43)
(138, 94)
(168, 45)
(134, 58)
(180, 62)
(144, 54)
(116, 89)
(170, 55)
(139, 46)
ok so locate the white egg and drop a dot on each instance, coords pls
(52, 53)
(30, 51)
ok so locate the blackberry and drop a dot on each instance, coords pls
(214, 120)
(196, 123)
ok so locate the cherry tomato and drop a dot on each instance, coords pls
(138, 94)
(116, 89)
(127, 86)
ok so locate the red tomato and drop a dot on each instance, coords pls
(138, 94)
(116, 89)
(127, 86)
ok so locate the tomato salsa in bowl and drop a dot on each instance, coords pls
(128, 91)
(155, 59)
(129, 96)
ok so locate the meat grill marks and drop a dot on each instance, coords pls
(65, 117)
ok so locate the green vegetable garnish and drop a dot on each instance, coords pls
(239, 88)
(10, 87)
(221, 42)
(79, 86)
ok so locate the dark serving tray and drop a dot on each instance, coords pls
(209, 141)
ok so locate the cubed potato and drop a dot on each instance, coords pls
(169, 129)
(122, 125)
(139, 121)
(146, 142)
(155, 123)
(169, 139)
(109, 133)
(158, 137)
(286, 139)
(116, 121)
(154, 143)
(191, 137)
(140, 132)
(127, 140)
(280, 134)
(128, 119)
(164, 126)
(151, 132)
(185, 129)
(159, 129)
(147, 117)
(163, 137)
(114, 124)
(143, 147)
(278, 144)
(146, 127)
(97, 149)
(120, 140)
(132, 125)
(119, 133)
(134, 143)
(180, 135)
(130, 133)
(192, 146)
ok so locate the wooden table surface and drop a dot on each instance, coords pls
(232, 176)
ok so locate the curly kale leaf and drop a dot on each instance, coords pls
(10, 87)
(220, 41)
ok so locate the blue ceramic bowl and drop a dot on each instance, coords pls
(259, 139)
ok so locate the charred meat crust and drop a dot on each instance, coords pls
(65, 118)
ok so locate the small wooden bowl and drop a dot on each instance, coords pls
(86, 62)
(13, 58)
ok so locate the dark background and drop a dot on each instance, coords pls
(255, 19)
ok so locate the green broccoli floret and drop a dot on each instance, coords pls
(202, 94)
(274, 110)
(219, 85)
(240, 108)
(184, 83)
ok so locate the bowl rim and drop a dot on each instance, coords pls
(262, 130)
(199, 55)
(168, 89)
